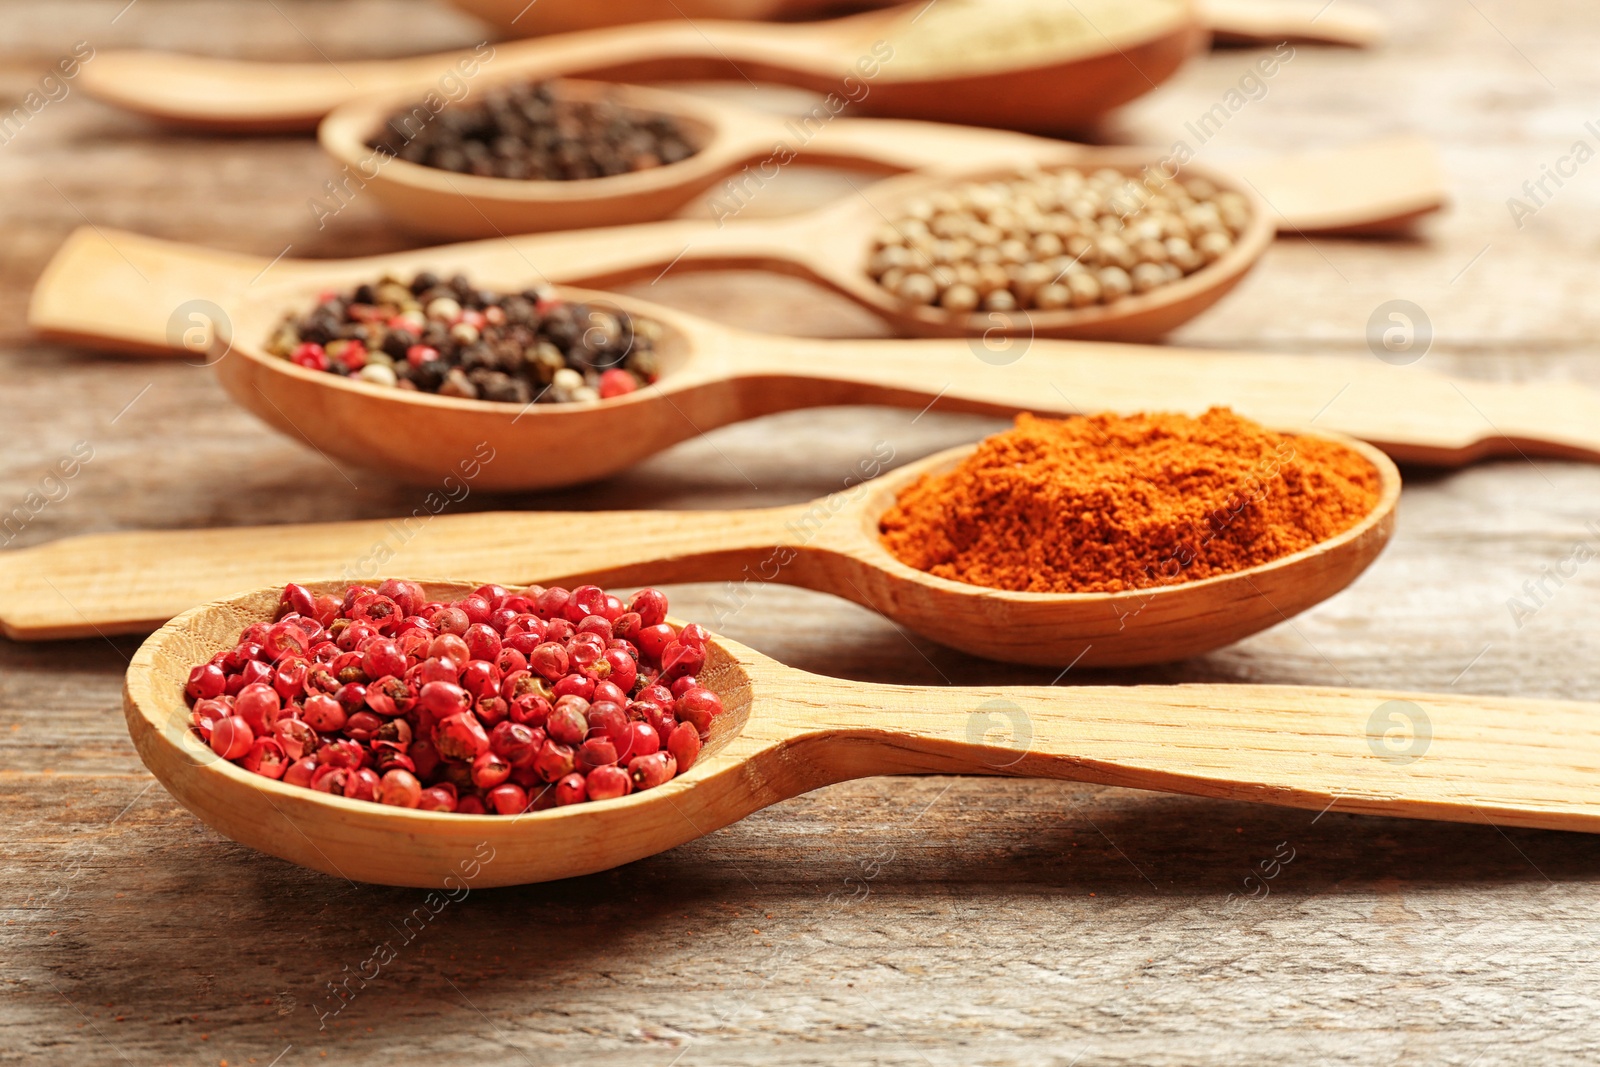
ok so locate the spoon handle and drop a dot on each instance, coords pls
(1500, 760)
(123, 291)
(1415, 415)
(898, 145)
(1268, 22)
(133, 582)
(1375, 187)
(229, 94)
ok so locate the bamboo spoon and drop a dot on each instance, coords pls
(1232, 21)
(1497, 760)
(122, 583)
(1037, 65)
(1375, 187)
(120, 290)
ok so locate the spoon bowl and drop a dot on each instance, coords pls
(785, 732)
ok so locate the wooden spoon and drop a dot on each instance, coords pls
(1498, 760)
(121, 290)
(565, 16)
(1230, 21)
(831, 246)
(132, 582)
(1375, 187)
(1034, 65)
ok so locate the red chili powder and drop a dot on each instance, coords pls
(1107, 503)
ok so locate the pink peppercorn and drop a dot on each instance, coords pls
(231, 737)
(616, 382)
(650, 771)
(362, 784)
(460, 737)
(507, 799)
(684, 744)
(301, 772)
(571, 790)
(437, 798)
(265, 758)
(500, 701)
(608, 783)
(489, 770)
(310, 355)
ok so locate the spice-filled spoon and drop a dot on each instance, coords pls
(784, 732)
(565, 16)
(1373, 187)
(1232, 21)
(1035, 65)
(1078, 277)
(132, 582)
(119, 290)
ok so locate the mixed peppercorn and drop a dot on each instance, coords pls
(1054, 240)
(500, 702)
(531, 132)
(448, 337)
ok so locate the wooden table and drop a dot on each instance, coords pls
(917, 921)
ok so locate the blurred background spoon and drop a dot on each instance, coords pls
(1023, 64)
(1230, 21)
(1376, 187)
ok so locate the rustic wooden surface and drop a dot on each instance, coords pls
(920, 921)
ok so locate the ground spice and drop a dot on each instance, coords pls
(1109, 503)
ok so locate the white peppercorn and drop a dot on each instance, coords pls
(1052, 241)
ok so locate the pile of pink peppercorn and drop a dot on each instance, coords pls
(500, 702)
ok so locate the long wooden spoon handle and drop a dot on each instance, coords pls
(133, 582)
(113, 289)
(1272, 21)
(1410, 412)
(1500, 760)
(897, 145)
(238, 95)
(1371, 188)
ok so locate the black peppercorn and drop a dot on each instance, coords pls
(531, 132)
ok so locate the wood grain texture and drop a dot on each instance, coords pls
(892, 920)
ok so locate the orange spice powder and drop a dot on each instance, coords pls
(1108, 503)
